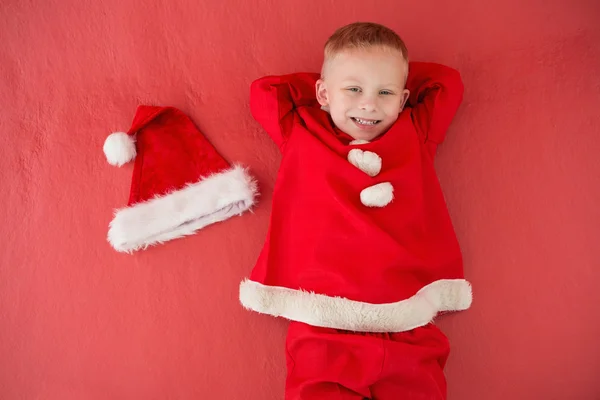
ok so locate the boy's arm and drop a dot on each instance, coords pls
(273, 100)
(436, 92)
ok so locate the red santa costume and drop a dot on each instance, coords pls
(360, 238)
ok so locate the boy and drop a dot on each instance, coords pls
(361, 254)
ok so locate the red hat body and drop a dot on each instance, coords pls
(171, 153)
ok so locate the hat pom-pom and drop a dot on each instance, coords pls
(119, 148)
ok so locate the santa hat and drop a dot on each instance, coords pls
(180, 183)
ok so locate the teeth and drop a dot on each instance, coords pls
(364, 122)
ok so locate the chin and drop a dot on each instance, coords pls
(366, 137)
(372, 135)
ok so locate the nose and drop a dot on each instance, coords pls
(367, 103)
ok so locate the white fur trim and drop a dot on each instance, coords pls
(212, 199)
(356, 142)
(379, 195)
(341, 313)
(366, 161)
(119, 148)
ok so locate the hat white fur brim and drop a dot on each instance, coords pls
(180, 213)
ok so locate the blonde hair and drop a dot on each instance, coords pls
(363, 35)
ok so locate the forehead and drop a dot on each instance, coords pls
(368, 63)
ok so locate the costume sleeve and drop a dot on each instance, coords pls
(436, 92)
(274, 99)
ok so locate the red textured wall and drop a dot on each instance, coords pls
(520, 170)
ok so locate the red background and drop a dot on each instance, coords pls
(520, 170)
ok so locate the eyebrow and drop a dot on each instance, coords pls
(355, 80)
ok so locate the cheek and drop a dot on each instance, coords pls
(342, 103)
(348, 102)
(392, 107)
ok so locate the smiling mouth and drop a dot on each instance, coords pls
(366, 121)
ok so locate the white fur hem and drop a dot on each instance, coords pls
(180, 213)
(341, 313)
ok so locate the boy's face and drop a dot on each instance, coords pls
(364, 90)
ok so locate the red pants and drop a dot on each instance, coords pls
(332, 364)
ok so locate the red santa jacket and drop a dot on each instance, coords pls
(360, 237)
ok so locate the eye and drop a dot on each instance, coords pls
(385, 92)
(354, 89)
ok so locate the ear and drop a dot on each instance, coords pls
(405, 95)
(322, 95)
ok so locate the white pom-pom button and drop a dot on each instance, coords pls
(366, 161)
(119, 148)
(379, 195)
